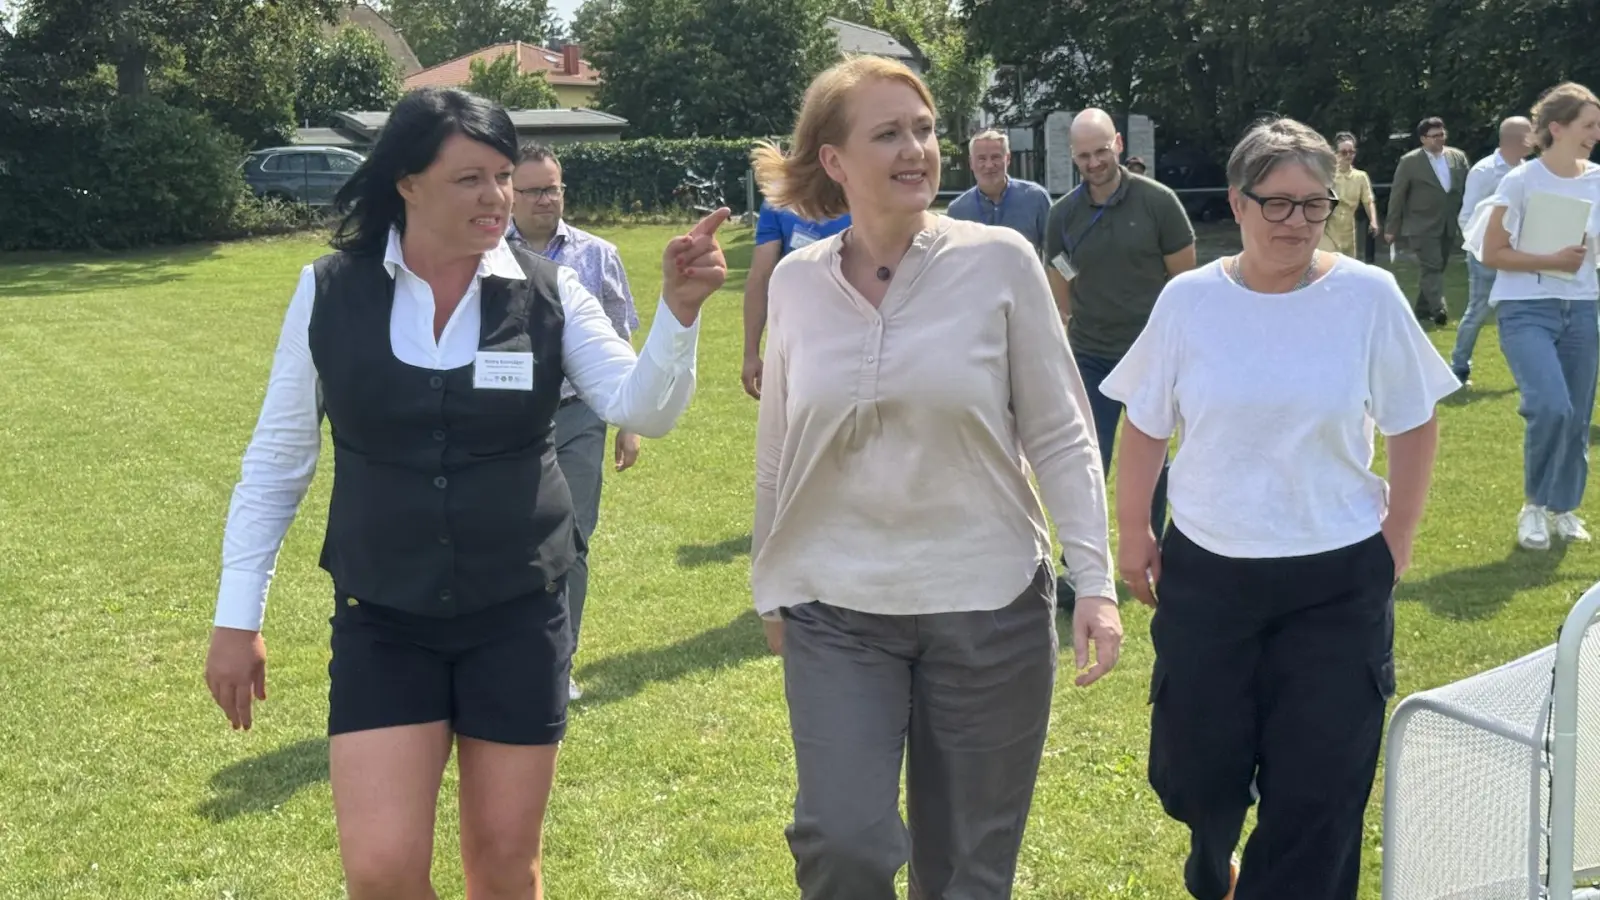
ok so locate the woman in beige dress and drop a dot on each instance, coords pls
(1354, 190)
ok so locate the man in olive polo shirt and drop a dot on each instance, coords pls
(1111, 245)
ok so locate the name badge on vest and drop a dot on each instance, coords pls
(802, 237)
(503, 371)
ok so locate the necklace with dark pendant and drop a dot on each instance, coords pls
(884, 273)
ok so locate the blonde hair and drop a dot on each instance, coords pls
(1561, 105)
(796, 180)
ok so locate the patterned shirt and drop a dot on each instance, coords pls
(599, 268)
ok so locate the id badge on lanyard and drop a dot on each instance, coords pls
(1063, 260)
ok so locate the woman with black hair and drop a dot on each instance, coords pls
(437, 352)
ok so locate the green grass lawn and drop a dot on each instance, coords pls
(130, 386)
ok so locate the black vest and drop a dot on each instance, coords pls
(446, 499)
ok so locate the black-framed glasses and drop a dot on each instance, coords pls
(553, 192)
(1279, 209)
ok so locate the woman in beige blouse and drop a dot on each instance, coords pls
(1354, 190)
(900, 557)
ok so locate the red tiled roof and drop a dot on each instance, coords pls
(530, 58)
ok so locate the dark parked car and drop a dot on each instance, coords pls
(309, 175)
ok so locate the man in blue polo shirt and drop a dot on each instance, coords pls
(778, 231)
(999, 199)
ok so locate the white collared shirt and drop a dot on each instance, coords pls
(1483, 179)
(1441, 168)
(644, 394)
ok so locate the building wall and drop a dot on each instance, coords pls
(570, 96)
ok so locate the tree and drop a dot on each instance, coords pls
(555, 31)
(1205, 70)
(693, 68)
(439, 30)
(347, 71)
(502, 82)
(235, 60)
(955, 75)
(591, 18)
(135, 36)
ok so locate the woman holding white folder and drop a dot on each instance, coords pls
(1539, 231)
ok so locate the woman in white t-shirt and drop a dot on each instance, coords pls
(1274, 632)
(1546, 304)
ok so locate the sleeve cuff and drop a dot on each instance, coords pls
(1095, 586)
(242, 600)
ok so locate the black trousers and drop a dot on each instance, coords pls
(1277, 672)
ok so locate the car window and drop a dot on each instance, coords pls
(342, 164)
(316, 162)
(287, 162)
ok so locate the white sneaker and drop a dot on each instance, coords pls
(1570, 528)
(574, 693)
(1533, 528)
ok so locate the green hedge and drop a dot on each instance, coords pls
(130, 173)
(643, 176)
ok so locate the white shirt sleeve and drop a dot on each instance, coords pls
(1146, 380)
(1510, 194)
(278, 466)
(644, 394)
(1406, 376)
(1474, 193)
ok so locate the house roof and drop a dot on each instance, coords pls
(530, 58)
(370, 123)
(855, 38)
(364, 16)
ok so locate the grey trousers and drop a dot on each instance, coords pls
(1433, 255)
(581, 454)
(963, 699)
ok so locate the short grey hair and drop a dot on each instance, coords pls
(990, 135)
(1273, 142)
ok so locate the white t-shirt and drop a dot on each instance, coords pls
(1525, 180)
(1276, 396)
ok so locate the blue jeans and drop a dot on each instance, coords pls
(1106, 413)
(1480, 279)
(1553, 349)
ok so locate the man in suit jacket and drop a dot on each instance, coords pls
(1424, 204)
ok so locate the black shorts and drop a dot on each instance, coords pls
(497, 675)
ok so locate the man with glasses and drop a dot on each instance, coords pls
(1424, 204)
(580, 433)
(1111, 245)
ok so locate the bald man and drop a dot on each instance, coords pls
(1483, 180)
(1111, 244)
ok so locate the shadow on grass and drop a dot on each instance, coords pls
(1481, 591)
(41, 275)
(620, 677)
(1475, 395)
(694, 555)
(259, 784)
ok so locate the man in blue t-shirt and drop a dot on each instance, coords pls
(778, 231)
